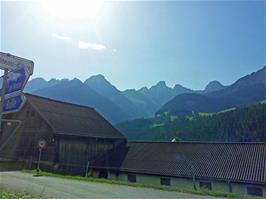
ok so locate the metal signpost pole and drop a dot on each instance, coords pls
(39, 160)
(41, 145)
(3, 96)
(87, 168)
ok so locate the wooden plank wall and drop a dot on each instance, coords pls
(23, 144)
(74, 154)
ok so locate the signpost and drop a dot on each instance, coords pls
(41, 145)
(17, 71)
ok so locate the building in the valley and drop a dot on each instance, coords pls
(225, 167)
(80, 140)
(75, 134)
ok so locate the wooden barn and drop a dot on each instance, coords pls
(75, 134)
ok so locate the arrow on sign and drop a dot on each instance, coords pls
(13, 104)
(16, 81)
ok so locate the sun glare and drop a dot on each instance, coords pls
(73, 9)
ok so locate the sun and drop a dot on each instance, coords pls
(73, 9)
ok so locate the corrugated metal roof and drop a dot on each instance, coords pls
(243, 162)
(74, 120)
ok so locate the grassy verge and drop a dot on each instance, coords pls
(118, 182)
(8, 195)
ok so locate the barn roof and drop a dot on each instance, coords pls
(73, 120)
(241, 162)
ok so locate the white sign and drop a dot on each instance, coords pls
(11, 62)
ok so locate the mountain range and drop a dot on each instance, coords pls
(117, 106)
(247, 90)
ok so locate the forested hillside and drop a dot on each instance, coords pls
(246, 124)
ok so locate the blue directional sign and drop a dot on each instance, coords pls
(16, 74)
(16, 80)
(13, 104)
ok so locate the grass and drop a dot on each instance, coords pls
(118, 182)
(9, 195)
(173, 118)
(157, 125)
(206, 114)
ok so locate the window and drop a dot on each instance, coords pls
(255, 191)
(131, 178)
(206, 185)
(165, 181)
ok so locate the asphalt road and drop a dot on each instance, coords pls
(50, 187)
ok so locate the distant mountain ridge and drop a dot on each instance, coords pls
(119, 106)
(39, 83)
(130, 104)
(75, 91)
(213, 86)
(247, 90)
(99, 84)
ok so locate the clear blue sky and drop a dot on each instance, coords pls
(137, 44)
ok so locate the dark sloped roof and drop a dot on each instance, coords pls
(74, 120)
(242, 162)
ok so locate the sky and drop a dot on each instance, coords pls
(135, 44)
